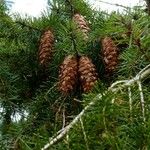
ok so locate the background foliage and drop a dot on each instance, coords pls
(32, 108)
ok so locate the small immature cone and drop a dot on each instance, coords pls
(87, 73)
(81, 24)
(68, 75)
(110, 55)
(45, 48)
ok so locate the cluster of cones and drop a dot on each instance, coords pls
(74, 70)
(81, 69)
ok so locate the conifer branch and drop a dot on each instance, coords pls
(72, 32)
(123, 83)
(118, 5)
(68, 127)
(126, 83)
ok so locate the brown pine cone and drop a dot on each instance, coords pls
(87, 73)
(110, 55)
(45, 48)
(82, 25)
(68, 74)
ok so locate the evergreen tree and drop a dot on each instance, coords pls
(75, 74)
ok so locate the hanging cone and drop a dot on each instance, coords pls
(45, 48)
(87, 73)
(82, 25)
(68, 74)
(110, 55)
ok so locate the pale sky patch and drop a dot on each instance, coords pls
(35, 7)
(29, 7)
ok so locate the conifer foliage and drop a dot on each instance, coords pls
(53, 90)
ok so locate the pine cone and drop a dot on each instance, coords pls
(81, 24)
(68, 74)
(87, 73)
(45, 48)
(110, 55)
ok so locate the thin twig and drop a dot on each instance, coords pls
(84, 134)
(123, 83)
(118, 5)
(68, 127)
(64, 118)
(56, 134)
(142, 99)
(130, 99)
(104, 119)
(118, 82)
(126, 83)
(67, 142)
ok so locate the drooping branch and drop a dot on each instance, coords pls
(68, 127)
(123, 83)
(114, 87)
